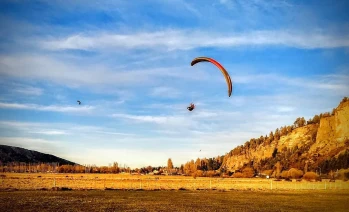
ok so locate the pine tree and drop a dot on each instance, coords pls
(169, 164)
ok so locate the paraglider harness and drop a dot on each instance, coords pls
(191, 107)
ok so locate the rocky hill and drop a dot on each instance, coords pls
(321, 143)
(17, 154)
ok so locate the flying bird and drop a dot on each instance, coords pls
(79, 102)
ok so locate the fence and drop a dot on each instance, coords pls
(81, 182)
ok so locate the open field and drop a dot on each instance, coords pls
(98, 200)
(27, 181)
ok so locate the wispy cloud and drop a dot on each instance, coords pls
(53, 108)
(181, 121)
(167, 92)
(333, 82)
(37, 144)
(50, 132)
(64, 72)
(29, 90)
(186, 40)
(284, 109)
(151, 119)
(47, 128)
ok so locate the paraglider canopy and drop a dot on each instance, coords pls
(221, 68)
(79, 102)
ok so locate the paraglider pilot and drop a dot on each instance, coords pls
(191, 107)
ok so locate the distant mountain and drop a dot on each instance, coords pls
(17, 154)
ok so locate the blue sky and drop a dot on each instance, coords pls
(129, 64)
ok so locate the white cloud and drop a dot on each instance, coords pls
(37, 144)
(333, 82)
(285, 109)
(151, 119)
(166, 92)
(114, 133)
(20, 124)
(53, 108)
(185, 40)
(183, 121)
(48, 128)
(50, 132)
(28, 90)
(39, 67)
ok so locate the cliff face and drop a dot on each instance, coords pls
(342, 122)
(332, 131)
(323, 140)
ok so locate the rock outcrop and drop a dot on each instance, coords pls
(310, 144)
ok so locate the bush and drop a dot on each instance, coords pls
(248, 172)
(284, 174)
(238, 175)
(343, 174)
(310, 176)
(267, 172)
(210, 173)
(198, 173)
(294, 173)
(346, 175)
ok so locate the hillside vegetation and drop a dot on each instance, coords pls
(10, 154)
(320, 145)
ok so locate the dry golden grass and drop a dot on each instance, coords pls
(147, 182)
(97, 200)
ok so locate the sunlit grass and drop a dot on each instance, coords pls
(98, 200)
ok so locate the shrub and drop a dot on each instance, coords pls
(248, 172)
(284, 174)
(238, 175)
(294, 173)
(267, 172)
(210, 173)
(346, 175)
(199, 173)
(343, 174)
(194, 175)
(310, 176)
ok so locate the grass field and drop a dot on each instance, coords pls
(165, 200)
(125, 181)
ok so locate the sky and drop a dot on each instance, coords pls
(128, 62)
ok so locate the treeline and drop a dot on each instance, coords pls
(21, 167)
(204, 166)
(341, 162)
